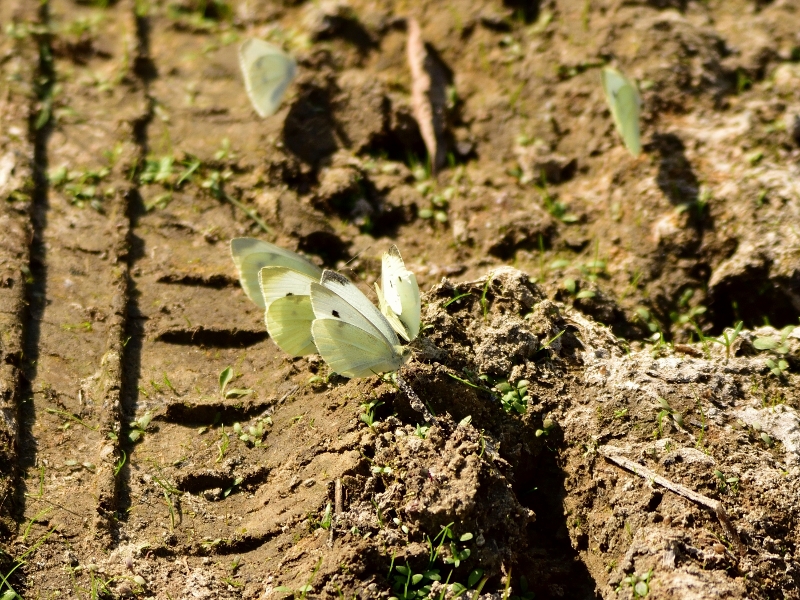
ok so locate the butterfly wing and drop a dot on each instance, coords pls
(625, 104)
(628, 125)
(353, 352)
(267, 72)
(278, 282)
(251, 255)
(337, 297)
(390, 315)
(289, 321)
(401, 293)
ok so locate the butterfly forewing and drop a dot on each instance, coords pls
(401, 294)
(250, 255)
(336, 297)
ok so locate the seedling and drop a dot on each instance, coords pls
(726, 484)
(514, 398)
(236, 483)
(572, 287)
(303, 590)
(368, 416)
(547, 343)
(409, 583)
(727, 338)
(684, 313)
(670, 413)
(778, 346)
(640, 584)
(253, 435)
(556, 208)
(327, 517)
(421, 431)
(525, 593)
(547, 427)
(778, 367)
(139, 426)
(399, 523)
(222, 446)
(225, 378)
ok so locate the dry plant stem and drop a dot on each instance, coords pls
(338, 499)
(713, 505)
(420, 90)
(417, 404)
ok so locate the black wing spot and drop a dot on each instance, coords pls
(289, 294)
(335, 313)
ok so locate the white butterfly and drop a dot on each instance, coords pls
(250, 255)
(278, 281)
(625, 103)
(267, 71)
(399, 300)
(349, 331)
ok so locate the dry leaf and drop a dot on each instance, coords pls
(421, 93)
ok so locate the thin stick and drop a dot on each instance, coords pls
(417, 404)
(338, 499)
(713, 505)
(247, 211)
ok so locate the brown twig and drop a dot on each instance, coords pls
(715, 506)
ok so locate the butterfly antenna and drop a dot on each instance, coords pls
(357, 255)
(417, 404)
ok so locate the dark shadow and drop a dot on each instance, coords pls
(143, 66)
(327, 246)
(550, 561)
(308, 131)
(347, 28)
(131, 359)
(675, 177)
(755, 298)
(524, 10)
(40, 131)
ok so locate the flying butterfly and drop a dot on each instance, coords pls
(267, 72)
(625, 104)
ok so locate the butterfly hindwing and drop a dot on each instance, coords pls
(339, 298)
(277, 282)
(350, 333)
(289, 321)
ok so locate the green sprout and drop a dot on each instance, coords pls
(253, 435)
(368, 416)
(727, 338)
(669, 413)
(640, 584)
(139, 426)
(514, 398)
(225, 377)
